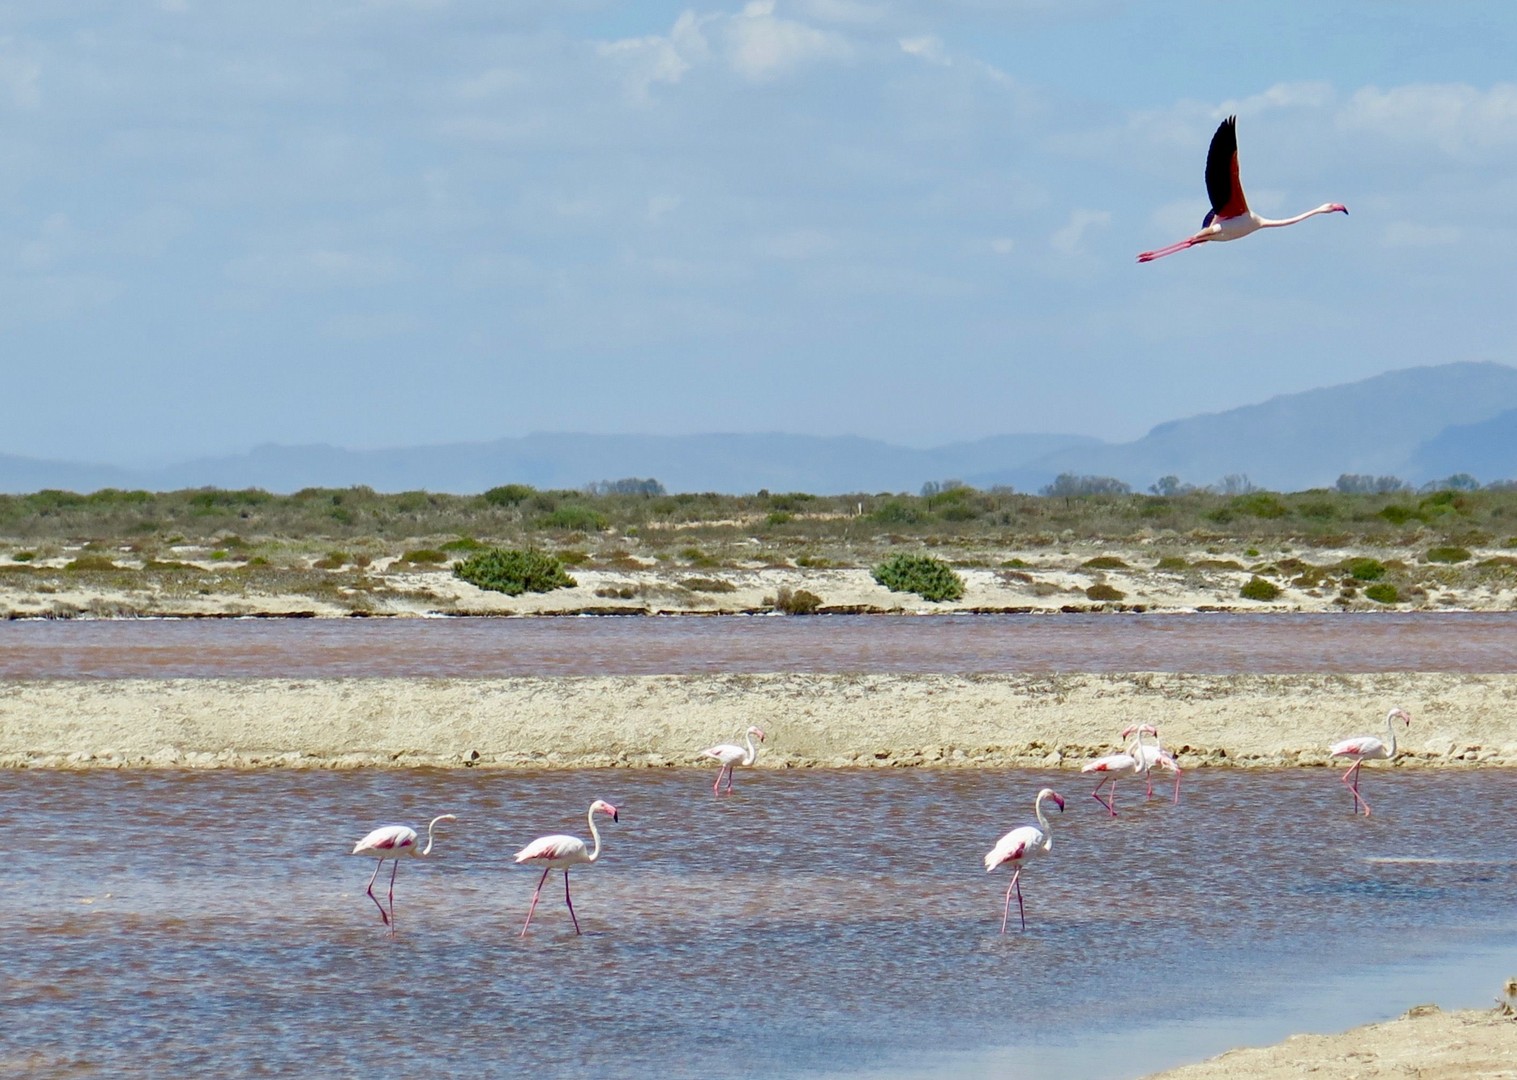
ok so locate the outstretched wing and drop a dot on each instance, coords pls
(1222, 184)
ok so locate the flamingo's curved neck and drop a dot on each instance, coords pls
(752, 750)
(595, 854)
(1037, 808)
(1390, 727)
(428, 849)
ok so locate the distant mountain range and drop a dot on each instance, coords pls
(1419, 424)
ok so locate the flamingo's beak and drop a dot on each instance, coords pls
(614, 815)
(1060, 801)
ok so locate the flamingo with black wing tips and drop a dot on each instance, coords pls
(1368, 748)
(1229, 217)
(1019, 845)
(559, 852)
(391, 842)
(731, 755)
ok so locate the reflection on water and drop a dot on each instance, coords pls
(819, 922)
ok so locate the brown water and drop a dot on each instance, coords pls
(481, 648)
(815, 923)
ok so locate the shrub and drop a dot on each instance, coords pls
(1260, 504)
(1399, 514)
(779, 517)
(711, 585)
(1365, 569)
(896, 512)
(1382, 592)
(514, 571)
(92, 562)
(575, 516)
(799, 602)
(1448, 554)
(425, 555)
(509, 494)
(1171, 562)
(1103, 591)
(332, 560)
(929, 577)
(1257, 588)
(24, 556)
(1103, 562)
(464, 543)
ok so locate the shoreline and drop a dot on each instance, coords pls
(813, 721)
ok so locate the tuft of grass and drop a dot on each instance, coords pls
(797, 602)
(1103, 562)
(88, 562)
(1103, 591)
(706, 584)
(425, 555)
(1365, 569)
(1382, 592)
(1448, 554)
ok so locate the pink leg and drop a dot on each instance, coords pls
(370, 890)
(568, 901)
(395, 868)
(1148, 774)
(535, 894)
(1351, 778)
(1150, 256)
(1177, 787)
(1096, 795)
(1006, 911)
(716, 788)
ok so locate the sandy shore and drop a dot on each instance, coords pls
(812, 720)
(1426, 1043)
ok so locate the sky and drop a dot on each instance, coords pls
(383, 223)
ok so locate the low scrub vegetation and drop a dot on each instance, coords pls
(514, 571)
(926, 575)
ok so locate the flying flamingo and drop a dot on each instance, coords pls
(1114, 767)
(729, 755)
(560, 853)
(391, 842)
(1368, 748)
(1152, 757)
(1019, 845)
(1229, 217)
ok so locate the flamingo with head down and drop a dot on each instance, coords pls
(1229, 217)
(391, 842)
(1152, 757)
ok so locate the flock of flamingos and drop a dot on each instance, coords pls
(1016, 848)
(1229, 219)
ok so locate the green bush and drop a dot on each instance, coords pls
(930, 578)
(1103, 591)
(1103, 562)
(509, 494)
(798, 602)
(332, 560)
(1382, 592)
(711, 585)
(576, 517)
(1171, 562)
(1448, 554)
(1257, 588)
(1398, 514)
(92, 562)
(464, 543)
(425, 555)
(514, 571)
(896, 512)
(1365, 569)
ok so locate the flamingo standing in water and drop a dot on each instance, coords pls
(1114, 767)
(560, 852)
(1019, 845)
(1152, 757)
(731, 755)
(391, 842)
(1229, 217)
(1368, 748)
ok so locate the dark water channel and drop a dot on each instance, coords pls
(815, 923)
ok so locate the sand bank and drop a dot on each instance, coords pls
(812, 720)
(1426, 1043)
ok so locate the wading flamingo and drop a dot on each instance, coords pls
(1112, 768)
(560, 853)
(730, 755)
(1229, 217)
(1368, 748)
(1153, 757)
(1019, 845)
(391, 842)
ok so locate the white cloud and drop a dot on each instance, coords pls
(1070, 240)
(20, 76)
(762, 47)
(1002, 245)
(1456, 118)
(929, 47)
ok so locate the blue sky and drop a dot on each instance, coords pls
(396, 222)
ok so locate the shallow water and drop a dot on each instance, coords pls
(1219, 644)
(814, 923)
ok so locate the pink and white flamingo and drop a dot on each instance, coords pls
(560, 852)
(1112, 768)
(1229, 217)
(1152, 757)
(1368, 748)
(1019, 845)
(731, 755)
(391, 842)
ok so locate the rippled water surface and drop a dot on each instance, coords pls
(1202, 643)
(814, 923)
